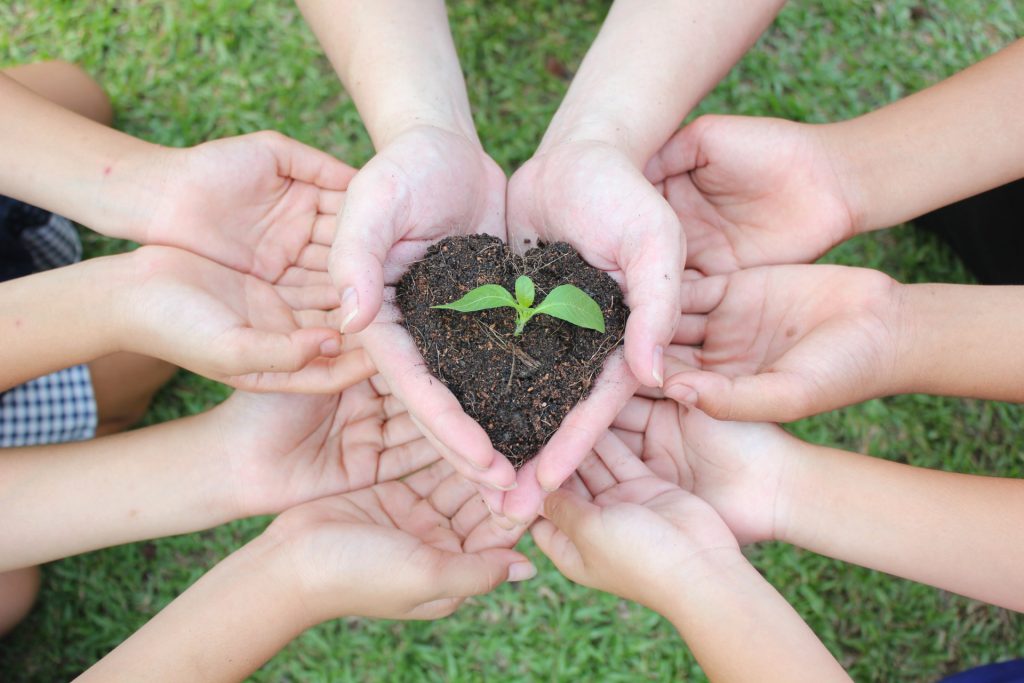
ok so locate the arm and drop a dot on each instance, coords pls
(650, 65)
(397, 61)
(392, 551)
(182, 308)
(643, 538)
(96, 175)
(957, 532)
(950, 141)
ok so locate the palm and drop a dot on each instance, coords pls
(818, 337)
(392, 543)
(286, 449)
(752, 192)
(258, 203)
(590, 196)
(737, 467)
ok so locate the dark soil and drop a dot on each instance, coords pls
(517, 388)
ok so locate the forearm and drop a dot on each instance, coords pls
(961, 340)
(957, 532)
(741, 629)
(66, 163)
(953, 140)
(651, 64)
(397, 61)
(223, 628)
(57, 319)
(70, 498)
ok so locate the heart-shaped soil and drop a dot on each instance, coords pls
(517, 388)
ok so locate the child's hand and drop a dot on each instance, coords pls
(741, 468)
(780, 343)
(639, 537)
(282, 450)
(755, 191)
(395, 550)
(260, 203)
(234, 328)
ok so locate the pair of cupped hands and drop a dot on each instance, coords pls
(275, 247)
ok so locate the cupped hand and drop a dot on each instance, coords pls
(779, 343)
(282, 450)
(396, 550)
(590, 195)
(260, 203)
(620, 528)
(740, 468)
(755, 191)
(228, 326)
(427, 184)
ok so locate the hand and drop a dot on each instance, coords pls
(259, 203)
(780, 343)
(427, 183)
(590, 195)
(399, 550)
(752, 192)
(638, 536)
(286, 449)
(234, 328)
(742, 469)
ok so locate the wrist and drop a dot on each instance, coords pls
(605, 131)
(842, 148)
(692, 590)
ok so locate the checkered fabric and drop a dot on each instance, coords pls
(54, 408)
(53, 244)
(61, 406)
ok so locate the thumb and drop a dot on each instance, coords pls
(768, 397)
(368, 227)
(679, 154)
(574, 517)
(259, 351)
(465, 574)
(652, 274)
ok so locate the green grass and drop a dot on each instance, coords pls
(183, 72)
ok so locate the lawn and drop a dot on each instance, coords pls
(183, 72)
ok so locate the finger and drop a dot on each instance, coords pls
(253, 350)
(319, 297)
(678, 155)
(425, 481)
(489, 534)
(677, 355)
(451, 495)
(557, 547)
(767, 397)
(324, 228)
(595, 476)
(465, 574)
(522, 505)
(652, 267)
(376, 208)
(635, 415)
(329, 204)
(585, 424)
(702, 295)
(314, 257)
(633, 440)
(574, 484)
(690, 329)
(317, 318)
(620, 462)
(573, 516)
(301, 277)
(399, 430)
(321, 376)
(401, 461)
(305, 163)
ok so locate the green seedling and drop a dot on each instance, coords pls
(565, 302)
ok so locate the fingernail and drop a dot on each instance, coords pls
(496, 487)
(349, 307)
(548, 490)
(521, 571)
(503, 521)
(331, 347)
(683, 394)
(658, 368)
